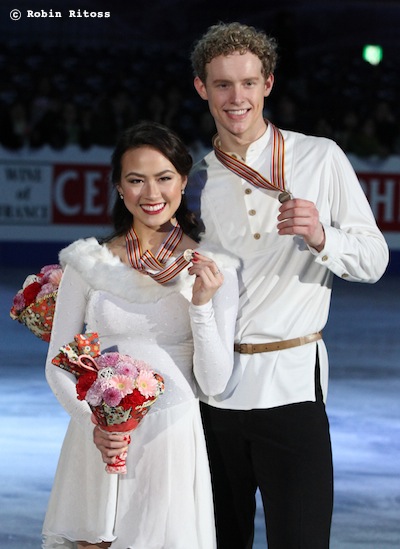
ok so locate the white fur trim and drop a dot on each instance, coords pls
(102, 270)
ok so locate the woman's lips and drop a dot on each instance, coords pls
(152, 209)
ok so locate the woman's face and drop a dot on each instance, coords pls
(151, 187)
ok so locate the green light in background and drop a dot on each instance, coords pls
(372, 54)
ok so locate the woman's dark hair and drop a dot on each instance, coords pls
(168, 143)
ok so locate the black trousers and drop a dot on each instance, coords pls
(286, 453)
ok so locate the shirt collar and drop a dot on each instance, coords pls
(258, 146)
(254, 150)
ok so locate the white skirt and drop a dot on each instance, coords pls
(163, 502)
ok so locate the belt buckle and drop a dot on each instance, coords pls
(246, 348)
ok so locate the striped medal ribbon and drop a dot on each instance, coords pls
(152, 265)
(244, 171)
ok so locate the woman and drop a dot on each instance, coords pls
(179, 317)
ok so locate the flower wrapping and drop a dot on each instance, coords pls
(34, 304)
(118, 388)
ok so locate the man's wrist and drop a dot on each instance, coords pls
(321, 241)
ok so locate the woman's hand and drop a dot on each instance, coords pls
(208, 279)
(110, 445)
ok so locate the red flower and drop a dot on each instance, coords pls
(132, 400)
(85, 381)
(31, 291)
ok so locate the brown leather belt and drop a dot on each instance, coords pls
(251, 348)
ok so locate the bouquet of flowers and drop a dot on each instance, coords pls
(35, 302)
(118, 388)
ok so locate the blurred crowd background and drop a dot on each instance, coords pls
(81, 81)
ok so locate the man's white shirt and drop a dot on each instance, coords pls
(285, 286)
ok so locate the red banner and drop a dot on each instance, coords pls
(80, 194)
(383, 193)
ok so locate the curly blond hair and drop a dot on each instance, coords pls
(227, 38)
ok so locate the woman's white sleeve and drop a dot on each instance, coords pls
(213, 327)
(68, 321)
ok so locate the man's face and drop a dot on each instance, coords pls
(235, 89)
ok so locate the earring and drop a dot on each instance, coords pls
(121, 196)
(183, 191)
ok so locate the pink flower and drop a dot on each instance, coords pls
(45, 290)
(146, 383)
(126, 367)
(140, 364)
(48, 268)
(112, 397)
(19, 301)
(47, 272)
(124, 384)
(94, 394)
(107, 359)
(55, 277)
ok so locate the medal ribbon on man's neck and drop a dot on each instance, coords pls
(154, 265)
(244, 171)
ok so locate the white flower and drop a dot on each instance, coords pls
(29, 279)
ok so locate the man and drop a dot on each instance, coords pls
(291, 208)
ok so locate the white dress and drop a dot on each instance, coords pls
(164, 501)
